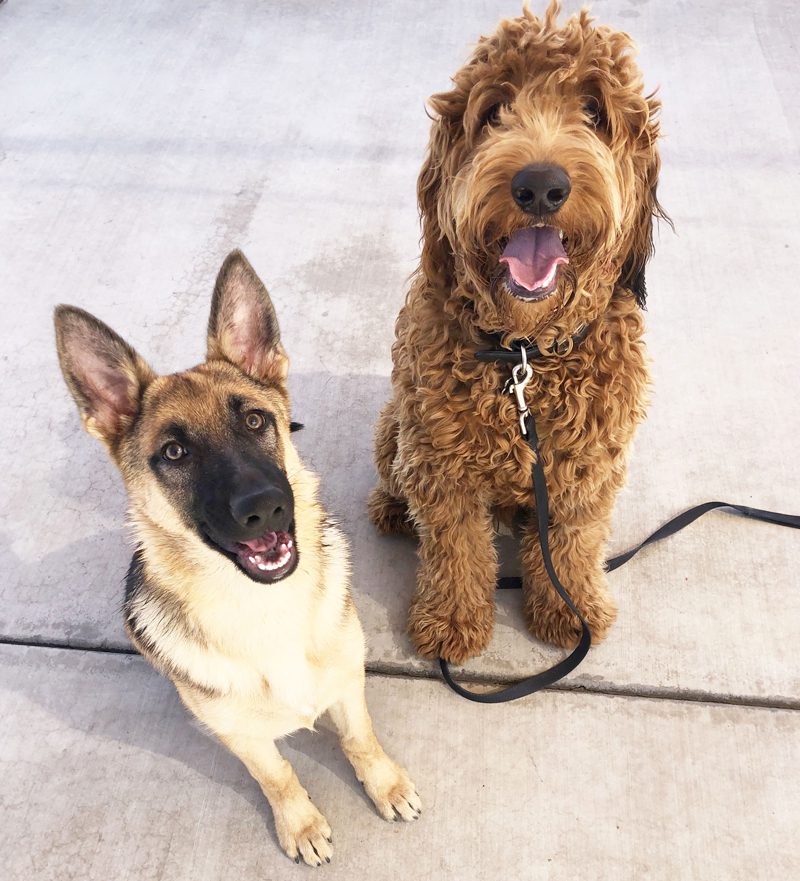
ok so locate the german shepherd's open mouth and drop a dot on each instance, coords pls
(267, 559)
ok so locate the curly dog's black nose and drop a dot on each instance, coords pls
(540, 189)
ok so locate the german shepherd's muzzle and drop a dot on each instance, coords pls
(245, 509)
(239, 498)
(239, 588)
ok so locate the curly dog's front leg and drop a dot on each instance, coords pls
(577, 540)
(388, 510)
(452, 613)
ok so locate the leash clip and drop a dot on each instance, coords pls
(520, 377)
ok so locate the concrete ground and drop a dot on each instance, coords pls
(139, 143)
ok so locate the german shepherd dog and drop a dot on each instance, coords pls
(239, 588)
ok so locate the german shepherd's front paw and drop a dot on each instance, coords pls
(303, 833)
(391, 791)
(444, 636)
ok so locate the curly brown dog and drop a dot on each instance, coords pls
(537, 197)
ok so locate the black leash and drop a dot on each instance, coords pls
(520, 356)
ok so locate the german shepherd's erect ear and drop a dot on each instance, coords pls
(104, 374)
(243, 327)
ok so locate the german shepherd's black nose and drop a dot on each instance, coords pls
(540, 189)
(262, 509)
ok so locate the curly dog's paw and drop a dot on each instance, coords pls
(437, 635)
(389, 514)
(552, 622)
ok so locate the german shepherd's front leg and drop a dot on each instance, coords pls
(385, 782)
(303, 832)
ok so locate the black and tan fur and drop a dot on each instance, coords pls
(254, 655)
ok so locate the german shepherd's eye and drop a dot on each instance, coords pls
(172, 452)
(255, 420)
(595, 114)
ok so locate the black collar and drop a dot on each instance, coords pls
(504, 353)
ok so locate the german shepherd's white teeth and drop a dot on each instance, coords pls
(285, 556)
(281, 561)
(273, 558)
(270, 561)
(277, 564)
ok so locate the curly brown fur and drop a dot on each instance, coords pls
(448, 450)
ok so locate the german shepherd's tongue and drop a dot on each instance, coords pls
(260, 545)
(270, 555)
(533, 255)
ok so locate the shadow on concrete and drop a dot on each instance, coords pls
(120, 698)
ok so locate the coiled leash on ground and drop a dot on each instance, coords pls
(520, 355)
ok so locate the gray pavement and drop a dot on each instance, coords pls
(139, 143)
(122, 786)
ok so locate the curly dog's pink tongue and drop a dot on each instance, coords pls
(533, 255)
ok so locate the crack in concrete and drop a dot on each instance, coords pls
(693, 696)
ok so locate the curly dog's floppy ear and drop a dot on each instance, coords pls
(640, 239)
(437, 253)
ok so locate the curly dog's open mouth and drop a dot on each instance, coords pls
(532, 256)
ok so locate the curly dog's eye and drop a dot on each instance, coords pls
(595, 114)
(491, 117)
